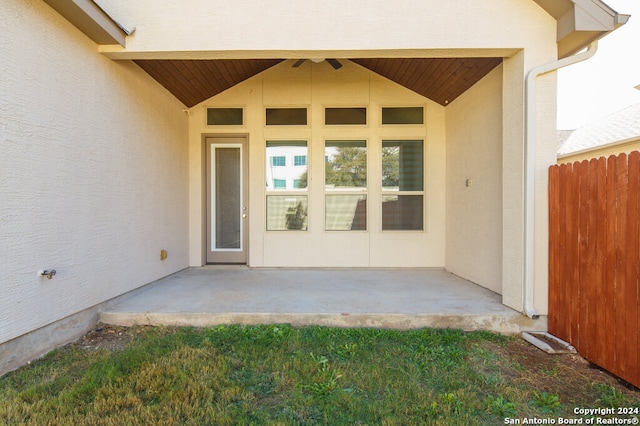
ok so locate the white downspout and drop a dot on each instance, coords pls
(529, 173)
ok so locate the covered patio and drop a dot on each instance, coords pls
(350, 297)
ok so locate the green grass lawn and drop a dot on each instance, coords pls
(281, 375)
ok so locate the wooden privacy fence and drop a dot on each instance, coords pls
(594, 259)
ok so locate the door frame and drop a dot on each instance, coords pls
(225, 139)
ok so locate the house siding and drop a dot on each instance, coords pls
(93, 172)
(474, 183)
(316, 86)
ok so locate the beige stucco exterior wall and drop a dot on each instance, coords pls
(93, 172)
(520, 31)
(316, 86)
(255, 29)
(474, 183)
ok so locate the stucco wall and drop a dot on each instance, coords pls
(93, 172)
(474, 183)
(316, 86)
(204, 28)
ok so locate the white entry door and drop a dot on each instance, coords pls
(227, 207)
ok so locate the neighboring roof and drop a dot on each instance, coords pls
(563, 135)
(621, 126)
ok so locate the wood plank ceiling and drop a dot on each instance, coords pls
(440, 79)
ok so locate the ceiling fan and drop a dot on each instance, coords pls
(333, 62)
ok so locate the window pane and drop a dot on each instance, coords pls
(405, 115)
(278, 161)
(286, 212)
(345, 165)
(402, 166)
(345, 212)
(300, 160)
(224, 116)
(286, 117)
(345, 116)
(402, 212)
(283, 172)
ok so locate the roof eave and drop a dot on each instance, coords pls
(581, 22)
(89, 18)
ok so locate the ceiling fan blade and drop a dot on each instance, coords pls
(334, 63)
(298, 63)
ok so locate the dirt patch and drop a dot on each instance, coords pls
(569, 376)
(108, 337)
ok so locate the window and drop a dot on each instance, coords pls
(286, 183)
(335, 116)
(402, 185)
(279, 161)
(345, 185)
(286, 116)
(403, 115)
(224, 116)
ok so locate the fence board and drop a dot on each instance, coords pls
(610, 277)
(630, 352)
(621, 247)
(601, 262)
(554, 251)
(594, 263)
(580, 291)
(591, 280)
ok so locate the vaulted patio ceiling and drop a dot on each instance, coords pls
(439, 79)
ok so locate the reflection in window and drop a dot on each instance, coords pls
(286, 116)
(224, 116)
(284, 172)
(402, 185)
(402, 166)
(345, 116)
(346, 175)
(346, 213)
(279, 161)
(346, 165)
(403, 115)
(286, 213)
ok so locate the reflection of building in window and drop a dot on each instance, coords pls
(279, 161)
(286, 165)
(286, 180)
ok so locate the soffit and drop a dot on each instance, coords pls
(439, 79)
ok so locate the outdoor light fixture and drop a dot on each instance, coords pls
(49, 273)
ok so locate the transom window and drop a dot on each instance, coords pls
(286, 117)
(337, 116)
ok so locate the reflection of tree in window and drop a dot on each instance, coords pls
(296, 215)
(390, 168)
(347, 167)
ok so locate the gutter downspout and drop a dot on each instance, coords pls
(529, 173)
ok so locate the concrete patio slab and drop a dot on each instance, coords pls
(387, 298)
